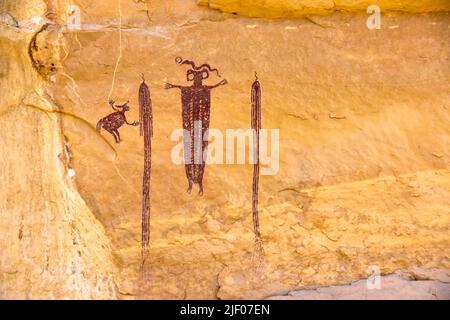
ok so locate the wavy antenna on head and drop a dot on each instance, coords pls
(180, 60)
(205, 65)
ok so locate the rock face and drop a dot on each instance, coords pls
(364, 125)
(52, 244)
(299, 8)
(392, 287)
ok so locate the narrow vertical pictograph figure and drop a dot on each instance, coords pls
(196, 109)
(146, 130)
(256, 127)
(115, 120)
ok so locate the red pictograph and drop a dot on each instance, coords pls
(196, 109)
(115, 120)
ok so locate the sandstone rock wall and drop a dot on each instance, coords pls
(295, 8)
(364, 148)
(52, 244)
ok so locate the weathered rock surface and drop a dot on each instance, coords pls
(392, 287)
(52, 246)
(300, 8)
(364, 173)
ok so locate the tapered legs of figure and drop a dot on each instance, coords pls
(116, 135)
(191, 183)
(200, 187)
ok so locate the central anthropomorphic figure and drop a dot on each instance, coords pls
(196, 106)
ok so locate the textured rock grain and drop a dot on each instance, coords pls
(301, 8)
(392, 287)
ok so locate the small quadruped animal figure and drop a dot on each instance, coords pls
(115, 120)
